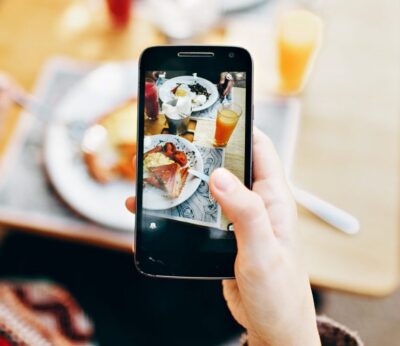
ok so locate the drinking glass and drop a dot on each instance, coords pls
(177, 126)
(227, 117)
(298, 40)
(151, 106)
(120, 11)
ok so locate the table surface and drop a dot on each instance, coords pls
(234, 154)
(347, 150)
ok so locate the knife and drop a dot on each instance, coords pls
(200, 175)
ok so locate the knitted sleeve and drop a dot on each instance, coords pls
(331, 333)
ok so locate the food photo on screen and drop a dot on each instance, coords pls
(194, 123)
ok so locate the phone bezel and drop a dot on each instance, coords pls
(198, 252)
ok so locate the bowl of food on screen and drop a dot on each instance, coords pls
(109, 145)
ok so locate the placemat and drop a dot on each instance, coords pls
(25, 192)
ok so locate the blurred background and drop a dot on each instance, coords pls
(327, 90)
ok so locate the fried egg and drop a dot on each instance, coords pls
(199, 100)
(182, 91)
(156, 159)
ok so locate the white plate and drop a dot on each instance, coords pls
(166, 95)
(100, 92)
(154, 198)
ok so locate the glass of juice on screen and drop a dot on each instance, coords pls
(298, 40)
(227, 118)
(151, 106)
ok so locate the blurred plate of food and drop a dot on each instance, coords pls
(166, 164)
(202, 92)
(90, 145)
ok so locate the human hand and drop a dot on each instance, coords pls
(225, 85)
(271, 296)
(228, 88)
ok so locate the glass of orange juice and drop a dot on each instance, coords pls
(227, 118)
(298, 40)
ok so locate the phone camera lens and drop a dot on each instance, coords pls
(231, 55)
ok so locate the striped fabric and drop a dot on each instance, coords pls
(41, 314)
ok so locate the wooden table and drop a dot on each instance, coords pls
(348, 145)
(348, 149)
(234, 158)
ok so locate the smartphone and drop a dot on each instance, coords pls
(194, 116)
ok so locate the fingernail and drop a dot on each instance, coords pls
(224, 180)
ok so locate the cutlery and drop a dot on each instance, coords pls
(200, 175)
(90, 137)
(39, 110)
(326, 211)
(31, 104)
(329, 213)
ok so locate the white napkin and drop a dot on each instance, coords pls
(182, 109)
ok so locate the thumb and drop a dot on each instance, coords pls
(245, 209)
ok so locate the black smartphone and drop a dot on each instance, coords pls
(194, 116)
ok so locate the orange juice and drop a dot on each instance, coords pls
(227, 118)
(299, 37)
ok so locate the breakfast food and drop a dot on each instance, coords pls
(181, 90)
(111, 158)
(171, 178)
(197, 93)
(166, 168)
(198, 89)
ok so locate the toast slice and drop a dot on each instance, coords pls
(171, 177)
(153, 181)
(112, 160)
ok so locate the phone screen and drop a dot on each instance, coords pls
(193, 124)
(194, 119)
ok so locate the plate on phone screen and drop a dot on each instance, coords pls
(155, 197)
(166, 90)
